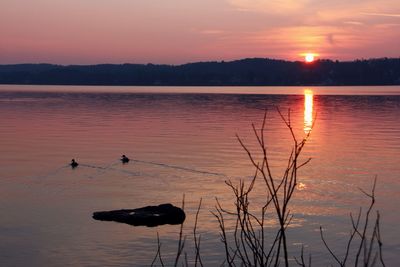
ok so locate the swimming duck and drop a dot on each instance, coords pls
(74, 164)
(124, 159)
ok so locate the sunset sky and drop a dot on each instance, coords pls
(181, 31)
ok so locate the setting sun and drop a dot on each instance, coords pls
(309, 57)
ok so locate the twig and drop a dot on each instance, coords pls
(181, 243)
(197, 241)
(158, 254)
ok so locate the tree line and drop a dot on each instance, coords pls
(244, 72)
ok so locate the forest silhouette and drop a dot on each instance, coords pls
(245, 72)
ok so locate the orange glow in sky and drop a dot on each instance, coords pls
(176, 31)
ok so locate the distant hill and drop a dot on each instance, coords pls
(245, 72)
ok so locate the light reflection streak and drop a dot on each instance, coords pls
(308, 110)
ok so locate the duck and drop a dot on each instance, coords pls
(124, 159)
(74, 164)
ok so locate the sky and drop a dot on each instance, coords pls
(181, 31)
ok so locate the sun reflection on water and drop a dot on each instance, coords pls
(308, 110)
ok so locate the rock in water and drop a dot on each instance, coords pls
(149, 216)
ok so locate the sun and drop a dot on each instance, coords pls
(309, 57)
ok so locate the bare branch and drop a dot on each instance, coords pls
(328, 248)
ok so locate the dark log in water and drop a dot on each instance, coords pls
(149, 216)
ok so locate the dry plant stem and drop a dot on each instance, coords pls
(249, 235)
(220, 218)
(197, 239)
(158, 254)
(301, 262)
(366, 247)
(379, 238)
(363, 243)
(181, 242)
(329, 249)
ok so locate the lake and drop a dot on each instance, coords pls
(182, 142)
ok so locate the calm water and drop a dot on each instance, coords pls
(46, 207)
